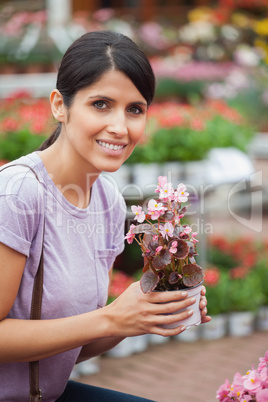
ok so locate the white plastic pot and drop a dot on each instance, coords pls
(241, 323)
(195, 318)
(216, 328)
(262, 318)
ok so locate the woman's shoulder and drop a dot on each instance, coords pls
(19, 179)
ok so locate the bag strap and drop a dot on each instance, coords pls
(35, 394)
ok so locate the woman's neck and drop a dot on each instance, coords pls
(71, 176)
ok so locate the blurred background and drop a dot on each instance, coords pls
(207, 128)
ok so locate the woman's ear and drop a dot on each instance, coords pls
(57, 105)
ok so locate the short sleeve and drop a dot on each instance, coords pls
(19, 211)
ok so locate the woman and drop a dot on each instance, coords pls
(104, 87)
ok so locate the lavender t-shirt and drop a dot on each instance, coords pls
(80, 246)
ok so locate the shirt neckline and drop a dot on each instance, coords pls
(50, 185)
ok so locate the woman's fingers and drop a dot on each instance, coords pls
(165, 297)
(172, 307)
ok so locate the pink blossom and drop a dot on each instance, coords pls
(193, 239)
(140, 215)
(181, 194)
(166, 230)
(263, 361)
(246, 398)
(264, 376)
(155, 209)
(173, 248)
(252, 381)
(223, 391)
(158, 249)
(162, 180)
(237, 388)
(167, 192)
(130, 236)
(187, 230)
(262, 395)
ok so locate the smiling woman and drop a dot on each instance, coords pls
(75, 218)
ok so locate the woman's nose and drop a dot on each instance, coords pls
(118, 124)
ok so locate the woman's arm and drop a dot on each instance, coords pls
(103, 345)
(133, 313)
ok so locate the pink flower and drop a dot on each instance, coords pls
(252, 381)
(187, 230)
(193, 239)
(181, 194)
(166, 230)
(173, 248)
(262, 395)
(264, 376)
(162, 180)
(155, 209)
(223, 391)
(158, 249)
(263, 361)
(130, 236)
(140, 215)
(167, 192)
(237, 388)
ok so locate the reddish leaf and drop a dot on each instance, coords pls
(161, 260)
(182, 249)
(167, 216)
(149, 282)
(192, 274)
(173, 278)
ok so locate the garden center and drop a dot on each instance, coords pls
(207, 129)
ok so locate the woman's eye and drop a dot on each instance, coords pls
(135, 110)
(100, 104)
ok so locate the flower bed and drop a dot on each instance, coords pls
(187, 133)
(25, 123)
(242, 263)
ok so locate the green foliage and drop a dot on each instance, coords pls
(185, 144)
(189, 91)
(261, 271)
(222, 260)
(16, 144)
(216, 296)
(245, 294)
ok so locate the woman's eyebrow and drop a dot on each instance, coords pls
(113, 100)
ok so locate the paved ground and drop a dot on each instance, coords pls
(181, 372)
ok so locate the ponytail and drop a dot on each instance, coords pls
(51, 139)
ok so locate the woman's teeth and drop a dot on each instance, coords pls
(110, 146)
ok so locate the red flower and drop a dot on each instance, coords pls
(212, 276)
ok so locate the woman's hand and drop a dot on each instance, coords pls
(135, 313)
(203, 306)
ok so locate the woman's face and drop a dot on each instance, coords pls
(104, 123)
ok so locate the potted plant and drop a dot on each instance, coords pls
(216, 282)
(244, 298)
(261, 271)
(168, 246)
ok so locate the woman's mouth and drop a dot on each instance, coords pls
(112, 149)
